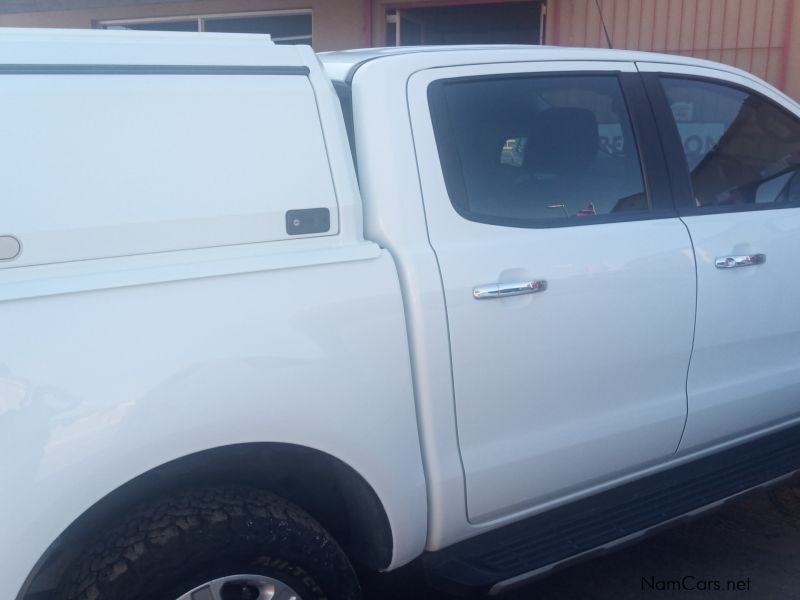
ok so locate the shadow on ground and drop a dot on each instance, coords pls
(748, 549)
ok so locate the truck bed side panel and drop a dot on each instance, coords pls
(110, 368)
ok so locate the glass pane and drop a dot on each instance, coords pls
(159, 26)
(533, 149)
(741, 148)
(412, 33)
(284, 29)
(391, 34)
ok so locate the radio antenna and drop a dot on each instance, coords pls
(603, 21)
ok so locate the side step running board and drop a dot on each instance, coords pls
(532, 545)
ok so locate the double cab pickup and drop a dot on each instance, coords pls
(270, 319)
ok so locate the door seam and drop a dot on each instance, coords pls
(694, 334)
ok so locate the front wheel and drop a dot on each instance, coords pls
(215, 544)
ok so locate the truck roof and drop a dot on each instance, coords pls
(342, 65)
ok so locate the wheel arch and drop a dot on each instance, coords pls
(324, 486)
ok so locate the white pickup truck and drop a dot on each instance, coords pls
(270, 318)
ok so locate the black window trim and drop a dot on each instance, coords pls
(655, 174)
(674, 154)
(344, 91)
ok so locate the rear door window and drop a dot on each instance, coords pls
(532, 151)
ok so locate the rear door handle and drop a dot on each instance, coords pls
(502, 290)
(742, 260)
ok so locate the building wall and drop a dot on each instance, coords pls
(336, 24)
(760, 36)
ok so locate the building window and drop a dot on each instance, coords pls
(286, 27)
(486, 22)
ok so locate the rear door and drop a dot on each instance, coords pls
(568, 278)
(735, 150)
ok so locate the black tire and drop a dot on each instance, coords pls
(164, 550)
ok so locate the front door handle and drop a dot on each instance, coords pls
(502, 290)
(743, 260)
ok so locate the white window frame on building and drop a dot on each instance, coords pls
(202, 19)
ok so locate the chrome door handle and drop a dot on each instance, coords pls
(744, 260)
(484, 292)
(502, 290)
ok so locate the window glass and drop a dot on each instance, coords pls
(192, 25)
(284, 29)
(538, 150)
(741, 148)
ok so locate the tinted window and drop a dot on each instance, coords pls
(538, 150)
(742, 150)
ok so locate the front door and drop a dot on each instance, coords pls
(568, 278)
(738, 145)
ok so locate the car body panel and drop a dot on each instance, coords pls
(745, 370)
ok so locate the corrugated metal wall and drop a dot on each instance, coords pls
(754, 35)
